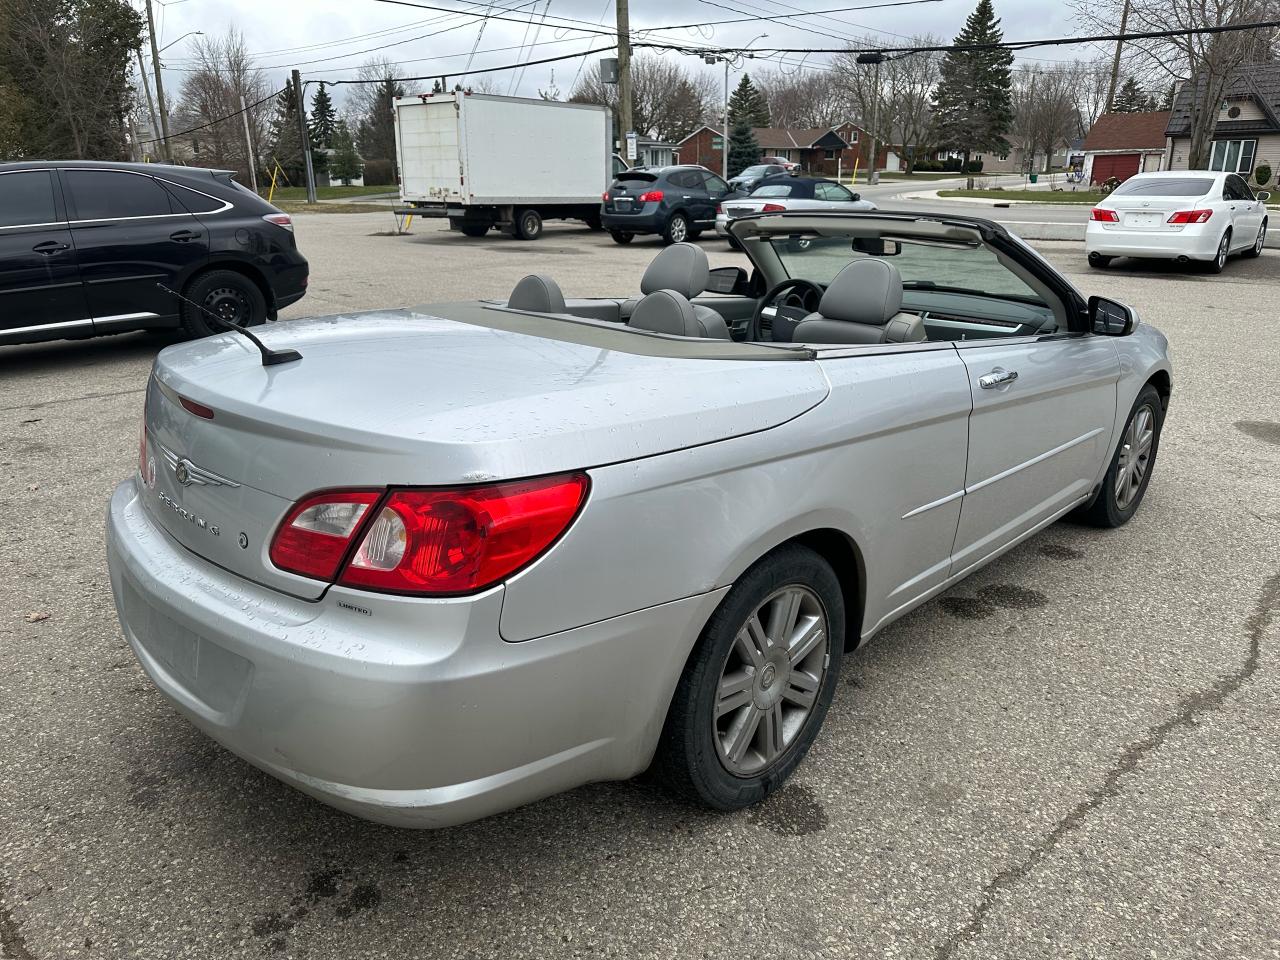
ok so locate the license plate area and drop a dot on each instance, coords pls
(1143, 219)
(622, 204)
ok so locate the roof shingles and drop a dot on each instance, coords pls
(1128, 131)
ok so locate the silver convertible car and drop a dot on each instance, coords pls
(430, 564)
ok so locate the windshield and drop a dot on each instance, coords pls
(922, 265)
(754, 172)
(1164, 187)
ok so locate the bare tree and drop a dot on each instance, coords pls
(222, 73)
(804, 98)
(1090, 93)
(669, 101)
(1206, 62)
(907, 82)
(1044, 103)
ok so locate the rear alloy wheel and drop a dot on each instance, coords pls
(230, 295)
(621, 237)
(1258, 244)
(528, 225)
(1219, 260)
(1099, 261)
(676, 230)
(758, 684)
(1126, 481)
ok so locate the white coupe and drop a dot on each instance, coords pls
(1183, 215)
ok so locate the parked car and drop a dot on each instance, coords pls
(751, 177)
(789, 193)
(541, 543)
(1184, 215)
(677, 203)
(783, 162)
(86, 247)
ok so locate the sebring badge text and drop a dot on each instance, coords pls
(187, 515)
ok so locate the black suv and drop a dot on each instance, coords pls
(85, 248)
(676, 202)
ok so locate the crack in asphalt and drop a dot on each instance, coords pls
(88, 396)
(13, 946)
(1192, 706)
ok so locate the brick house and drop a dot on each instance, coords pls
(824, 151)
(1247, 131)
(1122, 144)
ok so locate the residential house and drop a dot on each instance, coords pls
(824, 151)
(1017, 159)
(1122, 144)
(1247, 130)
(653, 153)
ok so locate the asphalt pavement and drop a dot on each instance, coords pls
(1071, 754)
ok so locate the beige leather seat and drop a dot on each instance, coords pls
(862, 305)
(667, 311)
(682, 267)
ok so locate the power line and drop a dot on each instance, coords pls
(214, 123)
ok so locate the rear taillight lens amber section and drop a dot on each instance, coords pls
(1106, 216)
(428, 542)
(315, 534)
(1191, 216)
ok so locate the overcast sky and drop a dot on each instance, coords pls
(337, 33)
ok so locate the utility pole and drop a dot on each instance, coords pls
(1115, 64)
(248, 146)
(305, 137)
(146, 87)
(873, 175)
(624, 72)
(166, 150)
(724, 135)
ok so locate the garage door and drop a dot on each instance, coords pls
(1122, 166)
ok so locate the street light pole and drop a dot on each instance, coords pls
(166, 150)
(873, 175)
(724, 119)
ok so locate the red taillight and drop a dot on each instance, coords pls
(428, 541)
(650, 196)
(772, 208)
(1191, 216)
(199, 409)
(604, 197)
(719, 209)
(1106, 216)
(280, 220)
(316, 533)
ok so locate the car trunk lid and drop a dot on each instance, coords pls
(404, 398)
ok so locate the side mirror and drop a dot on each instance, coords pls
(857, 197)
(728, 280)
(1111, 319)
(1263, 196)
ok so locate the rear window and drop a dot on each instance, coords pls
(773, 190)
(1164, 187)
(26, 198)
(640, 175)
(195, 201)
(755, 171)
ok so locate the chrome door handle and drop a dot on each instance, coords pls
(997, 377)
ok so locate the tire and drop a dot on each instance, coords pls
(528, 225)
(622, 238)
(1098, 261)
(1258, 244)
(1126, 480)
(474, 229)
(676, 229)
(1219, 260)
(229, 294)
(593, 223)
(725, 759)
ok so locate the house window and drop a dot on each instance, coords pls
(1234, 156)
(978, 157)
(1004, 157)
(828, 154)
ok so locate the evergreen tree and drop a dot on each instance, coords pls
(1132, 99)
(284, 138)
(744, 151)
(748, 104)
(323, 119)
(377, 133)
(972, 106)
(345, 165)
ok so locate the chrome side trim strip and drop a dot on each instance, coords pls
(63, 325)
(124, 318)
(930, 506)
(1034, 460)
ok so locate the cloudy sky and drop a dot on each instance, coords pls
(328, 39)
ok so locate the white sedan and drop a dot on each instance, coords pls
(777, 194)
(1183, 215)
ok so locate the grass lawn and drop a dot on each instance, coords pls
(1040, 196)
(289, 206)
(299, 194)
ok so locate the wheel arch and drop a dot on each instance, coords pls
(246, 270)
(1163, 383)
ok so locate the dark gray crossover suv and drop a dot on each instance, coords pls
(91, 248)
(677, 203)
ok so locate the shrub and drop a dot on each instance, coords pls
(1262, 174)
(975, 166)
(952, 164)
(379, 172)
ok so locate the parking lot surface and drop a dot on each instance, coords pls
(1071, 754)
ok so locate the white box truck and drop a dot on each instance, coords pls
(507, 162)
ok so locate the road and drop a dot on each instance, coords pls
(890, 196)
(1072, 754)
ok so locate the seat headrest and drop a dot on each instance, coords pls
(681, 267)
(537, 294)
(666, 311)
(866, 291)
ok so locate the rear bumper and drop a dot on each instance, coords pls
(1195, 241)
(650, 219)
(405, 711)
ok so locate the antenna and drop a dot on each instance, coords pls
(269, 357)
